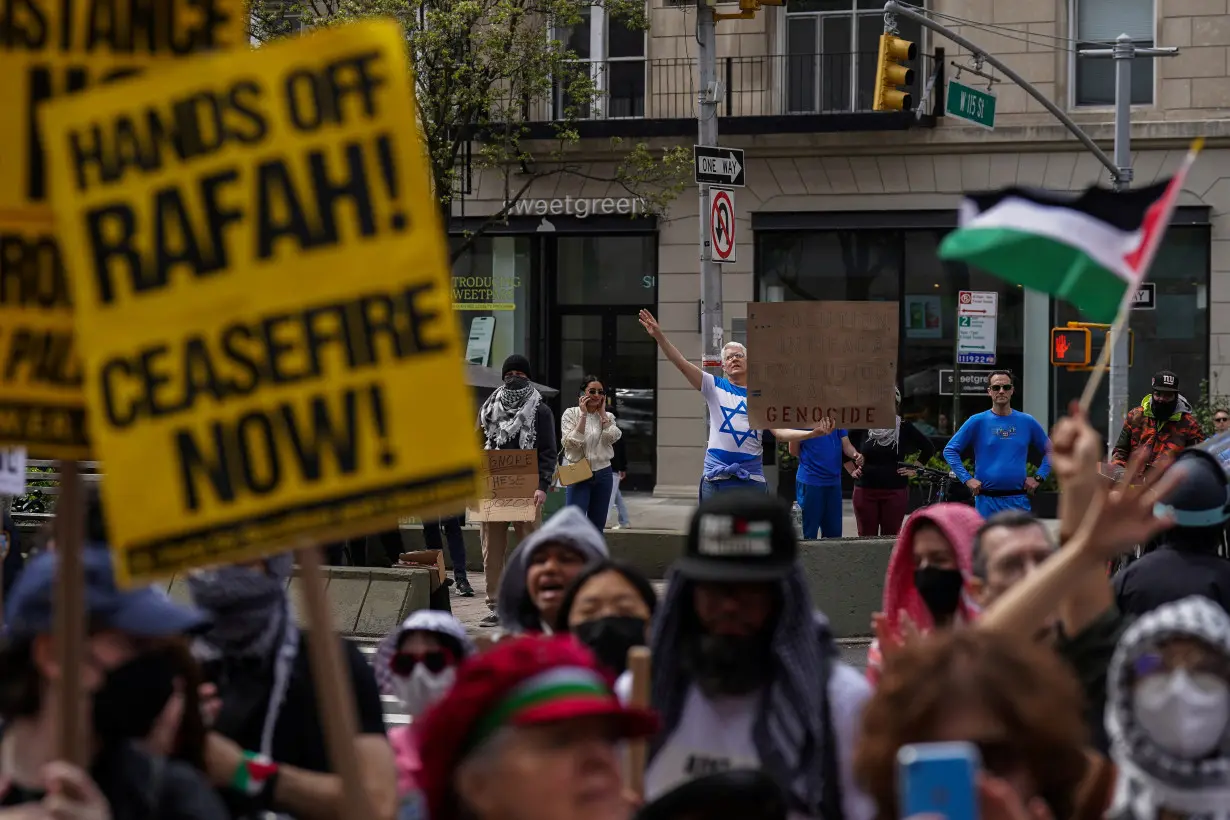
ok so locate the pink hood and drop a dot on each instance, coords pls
(958, 523)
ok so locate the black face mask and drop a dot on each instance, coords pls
(133, 696)
(517, 383)
(611, 638)
(940, 590)
(1162, 410)
(728, 664)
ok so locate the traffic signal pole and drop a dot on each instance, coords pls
(1124, 52)
(711, 318)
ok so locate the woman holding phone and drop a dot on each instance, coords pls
(589, 433)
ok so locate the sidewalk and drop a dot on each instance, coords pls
(645, 512)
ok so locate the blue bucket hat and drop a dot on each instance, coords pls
(145, 612)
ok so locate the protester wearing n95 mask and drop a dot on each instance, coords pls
(1168, 711)
(417, 664)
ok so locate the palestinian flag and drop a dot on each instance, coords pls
(1092, 249)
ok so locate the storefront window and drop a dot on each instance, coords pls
(606, 270)
(1174, 335)
(929, 337)
(830, 265)
(492, 295)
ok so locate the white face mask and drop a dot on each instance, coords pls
(1185, 714)
(423, 688)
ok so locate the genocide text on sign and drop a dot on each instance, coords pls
(269, 347)
(808, 361)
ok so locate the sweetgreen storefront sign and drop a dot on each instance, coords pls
(971, 104)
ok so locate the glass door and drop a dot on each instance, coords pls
(610, 343)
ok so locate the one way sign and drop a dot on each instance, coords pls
(719, 166)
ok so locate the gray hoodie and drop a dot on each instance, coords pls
(569, 527)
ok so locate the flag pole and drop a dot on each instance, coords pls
(1125, 308)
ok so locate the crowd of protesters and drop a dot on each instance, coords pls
(1082, 695)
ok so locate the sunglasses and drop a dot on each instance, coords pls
(1220, 419)
(596, 391)
(402, 664)
(1000, 388)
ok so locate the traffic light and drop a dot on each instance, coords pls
(890, 73)
(1070, 346)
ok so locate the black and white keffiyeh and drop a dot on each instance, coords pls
(507, 413)
(886, 436)
(1150, 779)
(789, 732)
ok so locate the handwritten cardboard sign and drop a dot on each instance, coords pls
(50, 49)
(808, 361)
(235, 381)
(512, 478)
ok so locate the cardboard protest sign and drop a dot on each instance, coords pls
(813, 360)
(262, 301)
(50, 49)
(512, 478)
(13, 471)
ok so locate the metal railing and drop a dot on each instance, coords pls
(761, 86)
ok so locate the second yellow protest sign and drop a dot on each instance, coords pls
(262, 302)
(50, 49)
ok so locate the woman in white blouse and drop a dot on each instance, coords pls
(589, 432)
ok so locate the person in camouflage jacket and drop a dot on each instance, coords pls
(1163, 423)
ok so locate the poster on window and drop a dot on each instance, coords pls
(923, 317)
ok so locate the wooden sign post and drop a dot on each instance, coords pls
(640, 665)
(334, 694)
(69, 623)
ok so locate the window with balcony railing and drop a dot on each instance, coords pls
(613, 55)
(831, 49)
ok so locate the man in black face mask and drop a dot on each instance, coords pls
(514, 417)
(746, 675)
(130, 676)
(1163, 424)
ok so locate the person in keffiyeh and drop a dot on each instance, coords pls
(745, 674)
(266, 749)
(514, 417)
(1168, 714)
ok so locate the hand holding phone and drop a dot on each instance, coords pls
(939, 779)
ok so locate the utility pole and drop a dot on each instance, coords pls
(1123, 53)
(707, 95)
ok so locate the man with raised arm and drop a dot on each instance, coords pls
(734, 453)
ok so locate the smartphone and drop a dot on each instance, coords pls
(478, 347)
(939, 778)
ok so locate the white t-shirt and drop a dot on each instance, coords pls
(731, 441)
(715, 735)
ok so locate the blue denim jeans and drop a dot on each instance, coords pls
(593, 496)
(708, 488)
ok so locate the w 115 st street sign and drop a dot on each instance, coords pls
(719, 166)
(971, 105)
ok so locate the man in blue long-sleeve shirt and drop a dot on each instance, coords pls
(1000, 438)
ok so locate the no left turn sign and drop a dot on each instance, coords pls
(722, 225)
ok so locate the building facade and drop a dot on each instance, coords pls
(846, 203)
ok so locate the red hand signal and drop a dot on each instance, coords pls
(1061, 347)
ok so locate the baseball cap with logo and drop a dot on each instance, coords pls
(740, 536)
(1165, 380)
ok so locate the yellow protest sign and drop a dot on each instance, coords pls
(262, 302)
(50, 49)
